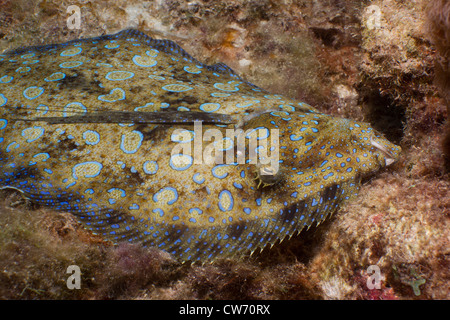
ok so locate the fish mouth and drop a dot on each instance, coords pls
(388, 156)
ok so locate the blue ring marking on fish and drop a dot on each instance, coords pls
(170, 189)
(196, 179)
(3, 100)
(71, 52)
(213, 171)
(32, 134)
(9, 146)
(227, 86)
(74, 107)
(3, 123)
(220, 94)
(23, 69)
(226, 196)
(175, 157)
(28, 55)
(56, 76)
(247, 103)
(192, 70)
(136, 142)
(6, 79)
(45, 156)
(143, 61)
(70, 64)
(95, 173)
(33, 92)
(210, 107)
(119, 92)
(159, 211)
(102, 64)
(119, 75)
(156, 77)
(153, 164)
(174, 87)
(112, 46)
(91, 137)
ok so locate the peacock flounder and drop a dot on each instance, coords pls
(143, 143)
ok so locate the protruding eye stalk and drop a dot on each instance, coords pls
(389, 158)
(268, 175)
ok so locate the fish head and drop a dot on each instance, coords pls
(320, 148)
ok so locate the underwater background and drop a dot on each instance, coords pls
(385, 62)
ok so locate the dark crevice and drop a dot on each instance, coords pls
(384, 116)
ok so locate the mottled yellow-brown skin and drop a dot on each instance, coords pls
(104, 128)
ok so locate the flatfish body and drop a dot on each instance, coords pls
(143, 143)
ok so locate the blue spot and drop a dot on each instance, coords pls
(70, 64)
(209, 107)
(134, 206)
(294, 138)
(45, 156)
(91, 175)
(154, 167)
(176, 87)
(119, 75)
(247, 210)
(36, 132)
(159, 211)
(124, 147)
(173, 190)
(328, 175)
(33, 92)
(3, 123)
(87, 135)
(338, 155)
(71, 52)
(224, 175)
(6, 79)
(222, 198)
(197, 179)
(55, 77)
(186, 160)
(114, 95)
(74, 108)
(195, 210)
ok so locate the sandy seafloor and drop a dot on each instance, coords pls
(379, 61)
